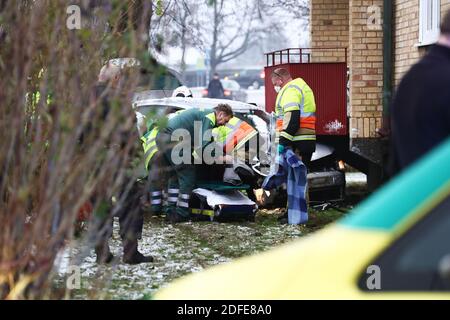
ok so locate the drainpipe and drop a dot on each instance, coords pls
(387, 64)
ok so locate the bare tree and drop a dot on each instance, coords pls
(224, 30)
(181, 23)
(297, 9)
(48, 73)
(230, 40)
(238, 26)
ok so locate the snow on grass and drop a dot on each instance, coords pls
(178, 250)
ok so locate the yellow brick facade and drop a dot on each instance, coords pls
(329, 28)
(366, 67)
(406, 37)
(364, 39)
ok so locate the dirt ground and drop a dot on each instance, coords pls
(191, 247)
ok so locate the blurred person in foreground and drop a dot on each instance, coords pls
(130, 215)
(420, 113)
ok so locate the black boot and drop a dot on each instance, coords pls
(177, 218)
(104, 255)
(131, 255)
(173, 217)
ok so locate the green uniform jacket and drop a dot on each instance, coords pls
(192, 120)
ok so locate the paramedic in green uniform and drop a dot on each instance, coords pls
(188, 126)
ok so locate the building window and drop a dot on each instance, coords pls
(429, 21)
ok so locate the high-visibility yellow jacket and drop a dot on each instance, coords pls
(296, 95)
(149, 144)
(234, 134)
(149, 139)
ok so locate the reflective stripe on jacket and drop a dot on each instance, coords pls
(234, 134)
(297, 96)
(149, 145)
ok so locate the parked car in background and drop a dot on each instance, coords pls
(232, 91)
(249, 78)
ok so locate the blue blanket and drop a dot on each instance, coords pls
(292, 171)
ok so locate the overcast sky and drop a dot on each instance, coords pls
(296, 34)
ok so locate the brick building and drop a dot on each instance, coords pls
(384, 38)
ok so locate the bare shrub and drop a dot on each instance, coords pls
(57, 152)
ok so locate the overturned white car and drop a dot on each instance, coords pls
(320, 181)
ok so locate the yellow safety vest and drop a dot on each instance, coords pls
(234, 134)
(149, 145)
(297, 95)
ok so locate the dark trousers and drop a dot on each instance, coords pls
(131, 217)
(181, 175)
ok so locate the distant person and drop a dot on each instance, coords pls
(420, 113)
(215, 88)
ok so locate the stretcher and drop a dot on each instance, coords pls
(221, 202)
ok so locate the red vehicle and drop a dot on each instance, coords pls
(328, 80)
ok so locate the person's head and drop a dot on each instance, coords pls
(110, 74)
(216, 76)
(223, 114)
(182, 92)
(280, 77)
(444, 39)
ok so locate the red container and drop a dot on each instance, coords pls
(328, 80)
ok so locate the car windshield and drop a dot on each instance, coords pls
(230, 85)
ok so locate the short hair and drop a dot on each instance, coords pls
(109, 72)
(281, 73)
(445, 25)
(225, 108)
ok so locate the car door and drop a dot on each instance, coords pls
(418, 262)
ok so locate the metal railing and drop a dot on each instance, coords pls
(300, 55)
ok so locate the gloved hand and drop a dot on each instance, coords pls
(280, 149)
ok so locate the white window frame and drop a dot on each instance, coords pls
(429, 21)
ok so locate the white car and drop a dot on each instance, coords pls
(319, 181)
(254, 115)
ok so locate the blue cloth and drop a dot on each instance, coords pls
(292, 171)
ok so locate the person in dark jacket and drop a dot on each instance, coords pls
(215, 88)
(131, 219)
(420, 113)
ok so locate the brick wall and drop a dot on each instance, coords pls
(345, 23)
(406, 35)
(445, 6)
(366, 69)
(329, 28)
